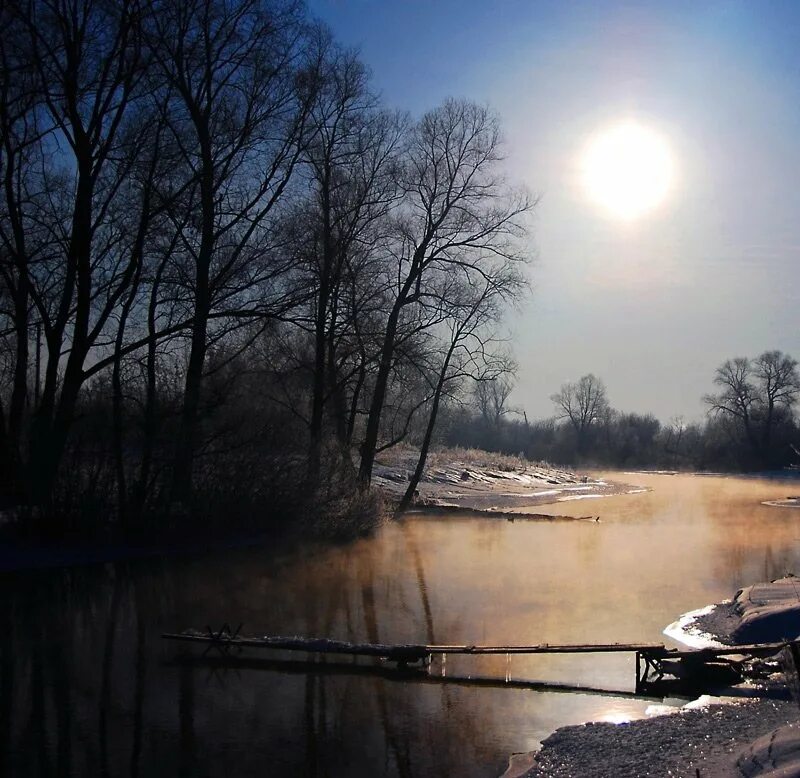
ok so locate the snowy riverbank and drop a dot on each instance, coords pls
(765, 612)
(471, 480)
(741, 739)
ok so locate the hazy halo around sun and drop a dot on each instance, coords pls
(627, 168)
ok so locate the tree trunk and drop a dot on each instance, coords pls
(8, 486)
(354, 398)
(139, 494)
(187, 431)
(766, 435)
(116, 382)
(426, 440)
(19, 393)
(370, 442)
(54, 417)
(320, 332)
(11, 457)
(318, 385)
(338, 399)
(190, 412)
(118, 433)
(751, 436)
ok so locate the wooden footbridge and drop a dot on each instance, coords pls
(654, 661)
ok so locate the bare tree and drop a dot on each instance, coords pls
(491, 397)
(64, 160)
(183, 180)
(20, 133)
(779, 383)
(457, 214)
(352, 160)
(241, 87)
(140, 221)
(469, 349)
(673, 437)
(583, 403)
(736, 396)
(755, 394)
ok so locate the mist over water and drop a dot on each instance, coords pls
(88, 687)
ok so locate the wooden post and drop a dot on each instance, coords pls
(795, 653)
(37, 383)
(638, 670)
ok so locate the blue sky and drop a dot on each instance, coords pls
(654, 305)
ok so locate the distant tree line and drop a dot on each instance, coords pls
(225, 266)
(750, 424)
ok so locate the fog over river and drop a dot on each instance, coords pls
(87, 686)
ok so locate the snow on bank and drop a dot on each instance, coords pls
(743, 739)
(687, 631)
(786, 502)
(486, 482)
(766, 612)
(580, 497)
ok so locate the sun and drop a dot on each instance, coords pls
(627, 168)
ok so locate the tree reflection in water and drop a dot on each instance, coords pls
(87, 686)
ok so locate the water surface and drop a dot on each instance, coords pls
(87, 687)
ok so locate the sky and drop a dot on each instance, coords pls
(652, 305)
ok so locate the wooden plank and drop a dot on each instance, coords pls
(417, 652)
(320, 645)
(401, 653)
(549, 648)
(753, 649)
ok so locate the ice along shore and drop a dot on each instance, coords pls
(736, 739)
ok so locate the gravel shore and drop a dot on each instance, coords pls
(719, 622)
(677, 745)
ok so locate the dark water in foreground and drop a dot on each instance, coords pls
(88, 688)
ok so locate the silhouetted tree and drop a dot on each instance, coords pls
(491, 397)
(468, 351)
(225, 243)
(352, 160)
(241, 86)
(457, 215)
(779, 385)
(65, 156)
(583, 403)
(755, 396)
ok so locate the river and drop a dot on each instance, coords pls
(88, 687)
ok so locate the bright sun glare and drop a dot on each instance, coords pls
(627, 168)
